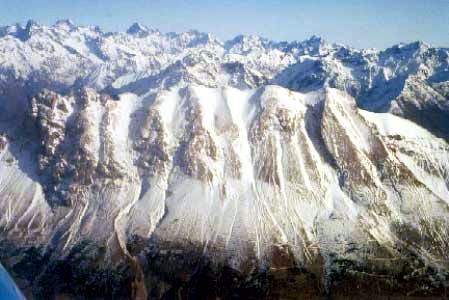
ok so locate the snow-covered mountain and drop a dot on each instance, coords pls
(150, 165)
(64, 56)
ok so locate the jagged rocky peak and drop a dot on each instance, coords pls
(138, 29)
(417, 47)
(197, 39)
(246, 43)
(30, 27)
(65, 24)
(10, 29)
(19, 31)
(317, 45)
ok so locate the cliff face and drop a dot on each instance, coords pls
(248, 180)
(202, 180)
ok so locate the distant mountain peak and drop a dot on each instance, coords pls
(417, 45)
(31, 23)
(23, 33)
(316, 39)
(137, 29)
(66, 24)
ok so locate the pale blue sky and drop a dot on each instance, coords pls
(360, 23)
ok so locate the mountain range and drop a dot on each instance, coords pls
(150, 165)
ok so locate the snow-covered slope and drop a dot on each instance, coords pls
(139, 152)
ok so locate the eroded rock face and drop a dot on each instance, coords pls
(76, 142)
(257, 186)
